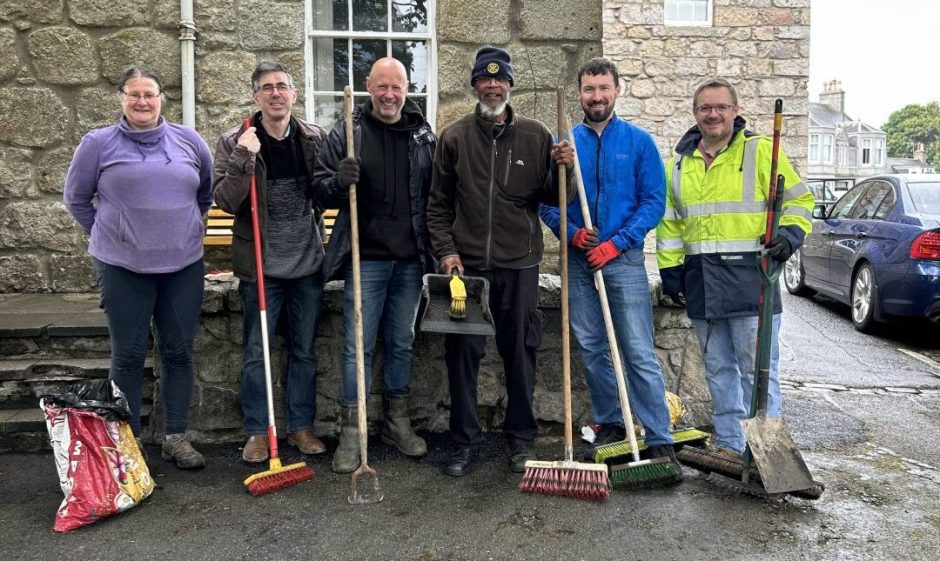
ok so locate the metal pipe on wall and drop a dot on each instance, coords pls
(187, 27)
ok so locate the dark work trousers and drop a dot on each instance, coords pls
(173, 300)
(514, 304)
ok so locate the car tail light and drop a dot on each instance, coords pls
(926, 245)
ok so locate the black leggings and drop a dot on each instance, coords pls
(173, 300)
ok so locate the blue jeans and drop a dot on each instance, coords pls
(391, 292)
(729, 347)
(632, 312)
(301, 299)
(173, 300)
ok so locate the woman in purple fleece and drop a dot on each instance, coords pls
(153, 184)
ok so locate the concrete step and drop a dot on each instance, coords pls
(23, 381)
(23, 429)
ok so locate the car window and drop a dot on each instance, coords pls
(926, 197)
(844, 206)
(887, 204)
(866, 205)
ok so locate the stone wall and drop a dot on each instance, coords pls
(215, 414)
(761, 46)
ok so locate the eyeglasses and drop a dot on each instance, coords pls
(707, 109)
(281, 87)
(487, 80)
(135, 97)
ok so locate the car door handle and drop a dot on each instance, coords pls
(861, 235)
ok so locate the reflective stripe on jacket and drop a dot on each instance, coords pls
(715, 218)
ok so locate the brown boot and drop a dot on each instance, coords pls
(306, 442)
(177, 448)
(256, 449)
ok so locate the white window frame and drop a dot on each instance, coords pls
(878, 152)
(814, 144)
(709, 10)
(866, 145)
(826, 148)
(311, 34)
(842, 155)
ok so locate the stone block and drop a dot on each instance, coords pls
(97, 107)
(795, 67)
(214, 408)
(758, 67)
(209, 42)
(536, 66)
(21, 273)
(643, 89)
(50, 173)
(740, 49)
(38, 11)
(63, 55)
(219, 119)
(225, 77)
(158, 50)
(687, 66)
(458, 62)
(780, 16)
(793, 32)
(559, 19)
(706, 49)
(33, 117)
(8, 58)
(637, 13)
(71, 271)
(659, 66)
(736, 17)
(450, 111)
(629, 67)
(38, 224)
(776, 87)
(638, 32)
(105, 13)
(739, 34)
(730, 67)
(779, 50)
(474, 21)
(659, 106)
(764, 33)
(14, 172)
(271, 26)
(792, 3)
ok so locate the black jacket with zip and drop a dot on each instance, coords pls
(486, 190)
(421, 145)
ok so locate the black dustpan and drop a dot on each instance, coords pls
(436, 317)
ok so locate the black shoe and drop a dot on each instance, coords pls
(459, 462)
(608, 434)
(663, 451)
(518, 456)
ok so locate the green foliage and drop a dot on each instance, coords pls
(914, 123)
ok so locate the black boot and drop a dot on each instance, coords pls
(397, 428)
(346, 456)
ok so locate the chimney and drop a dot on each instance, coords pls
(833, 96)
(920, 154)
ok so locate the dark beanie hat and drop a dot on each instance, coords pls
(492, 62)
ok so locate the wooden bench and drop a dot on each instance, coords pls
(219, 230)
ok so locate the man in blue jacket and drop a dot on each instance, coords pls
(623, 179)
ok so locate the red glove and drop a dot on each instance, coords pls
(585, 239)
(602, 255)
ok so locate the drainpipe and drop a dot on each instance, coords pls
(187, 29)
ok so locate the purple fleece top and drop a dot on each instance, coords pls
(153, 188)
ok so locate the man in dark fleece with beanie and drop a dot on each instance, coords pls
(492, 168)
(392, 173)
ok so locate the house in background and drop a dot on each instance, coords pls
(917, 164)
(841, 149)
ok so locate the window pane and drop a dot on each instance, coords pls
(370, 15)
(422, 103)
(410, 15)
(414, 55)
(365, 53)
(330, 15)
(330, 64)
(328, 110)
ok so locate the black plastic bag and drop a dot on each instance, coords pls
(98, 396)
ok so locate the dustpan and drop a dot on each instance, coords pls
(436, 317)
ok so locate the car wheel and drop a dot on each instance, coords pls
(864, 299)
(794, 278)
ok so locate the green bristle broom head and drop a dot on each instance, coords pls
(615, 450)
(644, 474)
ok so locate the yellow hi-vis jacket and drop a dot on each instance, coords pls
(709, 236)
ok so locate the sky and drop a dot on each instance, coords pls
(885, 52)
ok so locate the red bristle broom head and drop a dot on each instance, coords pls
(578, 481)
(277, 481)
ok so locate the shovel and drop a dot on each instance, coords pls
(373, 494)
(437, 316)
(769, 443)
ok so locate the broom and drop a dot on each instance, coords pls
(638, 473)
(567, 478)
(276, 477)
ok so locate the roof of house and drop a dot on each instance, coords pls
(824, 115)
(906, 162)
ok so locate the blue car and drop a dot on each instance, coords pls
(877, 250)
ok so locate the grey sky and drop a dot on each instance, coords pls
(885, 52)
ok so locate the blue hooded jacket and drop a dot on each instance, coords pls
(624, 183)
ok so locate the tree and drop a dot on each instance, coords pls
(911, 124)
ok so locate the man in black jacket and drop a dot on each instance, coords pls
(392, 173)
(492, 168)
